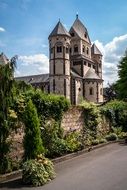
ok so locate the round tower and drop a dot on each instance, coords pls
(59, 46)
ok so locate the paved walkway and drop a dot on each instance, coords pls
(101, 169)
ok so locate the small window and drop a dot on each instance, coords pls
(76, 49)
(84, 62)
(85, 34)
(51, 50)
(94, 67)
(89, 65)
(101, 91)
(70, 50)
(83, 49)
(87, 51)
(91, 91)
(79, 89)
(72, 34)
(59, 49)
(100, 66)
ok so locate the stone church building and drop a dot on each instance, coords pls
(75, 65)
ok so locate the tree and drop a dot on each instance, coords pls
(32, 140)
(6, 99)
(121, 85)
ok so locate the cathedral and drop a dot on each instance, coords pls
(75, 65)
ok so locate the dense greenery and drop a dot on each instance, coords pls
(7, 116)
(38, 172)
(32, 140)
(49, 105)
(91, 121)
(121, 84)
(116, 112)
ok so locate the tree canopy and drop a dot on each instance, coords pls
(121, 84)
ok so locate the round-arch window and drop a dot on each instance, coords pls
(91, 91)
(75, 48)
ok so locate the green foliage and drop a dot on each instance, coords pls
(116, 112)
(52, 137)
(102, 140)
(49, 105)
(73, 141)
(95, 142)
(91, 119)
(117, 130)
(121, 84)
(32, 139)
(38, 172)
(111, 137)
(122, 135)
(6, 122)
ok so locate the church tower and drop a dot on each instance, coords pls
(59, 45)
(97, 58)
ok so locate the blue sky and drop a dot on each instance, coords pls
(26, 24)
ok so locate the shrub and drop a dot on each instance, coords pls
(95, 142)
(38, 172)
(102, 141)
(91, 118)
(111, 137)
(52, 137)
(32, 139)
(73, 141)
(52, 106)
(116, 112)
(122, 135)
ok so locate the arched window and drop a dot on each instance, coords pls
(83, 48)
(75, 48)
(91, 91)
(59, 47)
(87, 51)
(85, 34)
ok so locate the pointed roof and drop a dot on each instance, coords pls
(95, 50)
(91, 74)
(80, 30)
(3, 59)
(59, 30)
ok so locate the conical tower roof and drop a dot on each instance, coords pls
(80, 30)
(59, 30)
(95, 50)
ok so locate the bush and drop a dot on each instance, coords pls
(116, 112)
(32, 139)
(122, 135)
(95, 142)
(91, 118)
(52, 106)
(38, 172)
(111, 137)
(73, 141)
(52, 137)
(102, 141)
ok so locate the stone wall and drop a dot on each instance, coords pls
(73, 119)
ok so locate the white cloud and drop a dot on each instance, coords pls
(2, 29)
(112, 53)
(32, 64)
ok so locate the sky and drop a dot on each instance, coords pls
(26, 24)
